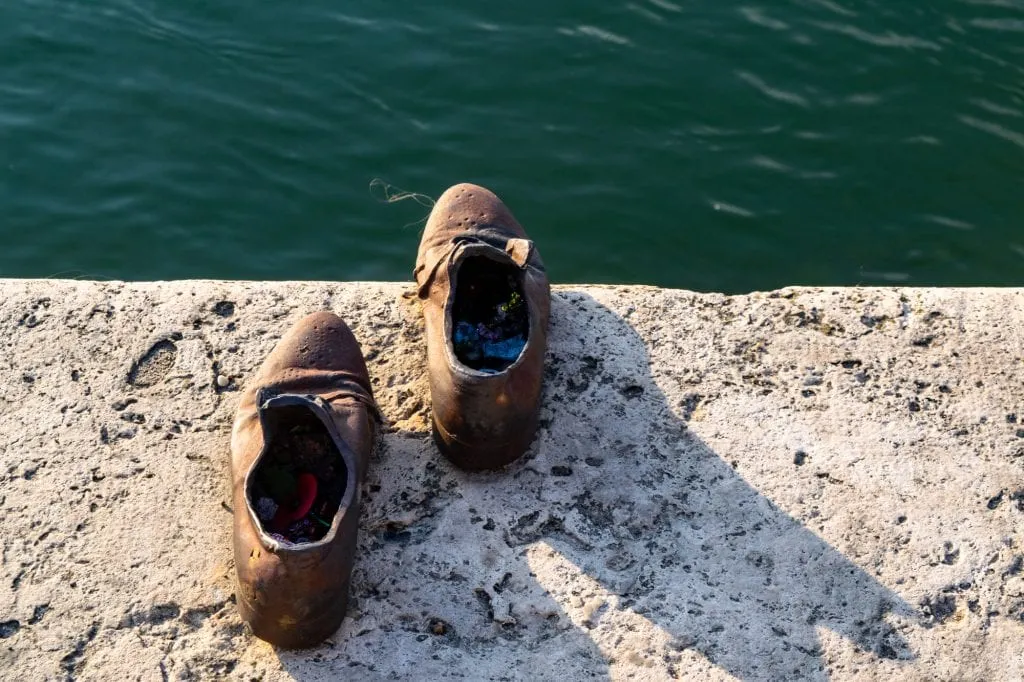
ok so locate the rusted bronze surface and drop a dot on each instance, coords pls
(481, 421)
(295, 595)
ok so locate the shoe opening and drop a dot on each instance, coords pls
(299, 481)
(490, 319)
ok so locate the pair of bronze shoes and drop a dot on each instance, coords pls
(306, 424)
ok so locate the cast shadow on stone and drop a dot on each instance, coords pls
(639, 513)
(694, 548)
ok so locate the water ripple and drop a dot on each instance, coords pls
(599, 34)
(350, 20)
(1010, 136)
(756, 16)
(646, 13)
(994, 108)
(1007, 25)
(949, 222)
(772, 92)
(666, 5)
(731, 209)
(773, 165)
(993, 59)
(834, 8)
(890, 277)
(889, 39)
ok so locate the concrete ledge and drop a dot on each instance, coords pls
(806, 484)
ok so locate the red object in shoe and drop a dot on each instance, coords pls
(305, 495)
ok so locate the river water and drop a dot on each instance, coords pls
(712, 146)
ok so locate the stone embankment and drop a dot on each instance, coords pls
(802, 484)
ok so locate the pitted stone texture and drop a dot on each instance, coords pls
(805, 484)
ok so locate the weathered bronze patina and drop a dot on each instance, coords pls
(482, 419)
(294, 595)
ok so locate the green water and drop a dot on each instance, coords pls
(713, 146)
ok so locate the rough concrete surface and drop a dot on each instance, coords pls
(805, 484)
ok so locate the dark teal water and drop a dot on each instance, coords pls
(714, 146)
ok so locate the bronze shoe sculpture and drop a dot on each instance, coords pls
(486, 301)
(300, 446)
